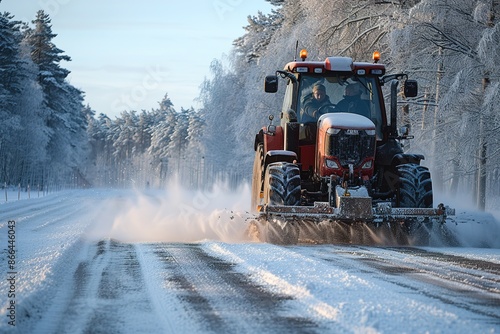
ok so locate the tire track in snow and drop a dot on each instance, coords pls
(66, 309)
(45, 255)
(481, 274)
(472, 285)
(62, 215)
(223, 300)
(366, 298)
(109, 295)
(302, 303)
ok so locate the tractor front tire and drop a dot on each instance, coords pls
(282, 184)
(415, 191)
(415, 186)
(282, 187)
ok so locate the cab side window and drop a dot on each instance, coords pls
(287, 113)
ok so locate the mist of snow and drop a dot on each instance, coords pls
(176, 215)
(220, 214)
(470, 227)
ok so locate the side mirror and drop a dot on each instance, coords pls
(271, 84)
(411, 88)
(404, 130)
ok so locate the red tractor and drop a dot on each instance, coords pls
(336, 161)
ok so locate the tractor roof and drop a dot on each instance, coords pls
(341, 65)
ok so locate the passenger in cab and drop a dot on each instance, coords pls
(352, 101)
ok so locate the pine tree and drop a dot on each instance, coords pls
(10, 87)
(10, 60)
(161, 134)
(62, 102)
(23, 139)
(195, 151)
(260, 31)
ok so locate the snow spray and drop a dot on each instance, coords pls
(181, 215)
(176, 215)
(469, 227)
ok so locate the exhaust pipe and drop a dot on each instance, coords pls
(394, 108)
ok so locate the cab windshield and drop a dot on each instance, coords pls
(342, 94)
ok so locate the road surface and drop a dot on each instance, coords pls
(73, 275)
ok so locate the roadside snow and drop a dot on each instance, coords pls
(48, 237)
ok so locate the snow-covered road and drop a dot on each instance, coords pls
(101, 261)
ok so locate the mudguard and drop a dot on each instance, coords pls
(407, 158)
(279, 156)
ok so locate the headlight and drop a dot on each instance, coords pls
(367, 165)
(331, 164)
(333, 131)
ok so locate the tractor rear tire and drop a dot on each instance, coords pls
(258, 171)
(416, 192)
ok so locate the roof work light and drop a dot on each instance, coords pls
(303, 54)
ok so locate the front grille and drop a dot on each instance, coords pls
(350, 146)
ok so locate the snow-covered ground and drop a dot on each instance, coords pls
(180, 262)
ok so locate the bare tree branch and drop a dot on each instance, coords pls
(367, 31)
(449, 42)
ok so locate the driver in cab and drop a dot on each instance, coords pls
(313, 103)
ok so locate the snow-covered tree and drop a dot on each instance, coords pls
(23, 139)
(62, 102)
(10, 60)
(195, 150)
(161, 131)
(260, 30)
(224, 100)
(10, 87)
(457, 79)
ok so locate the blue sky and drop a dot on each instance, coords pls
(127, 54)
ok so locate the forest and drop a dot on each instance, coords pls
(451, 47)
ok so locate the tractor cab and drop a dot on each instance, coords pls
(349, 94)
(345, 88)
(341, 77)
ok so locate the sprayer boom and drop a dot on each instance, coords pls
(354, 211)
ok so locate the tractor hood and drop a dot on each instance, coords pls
(345, 144)
(345, 121)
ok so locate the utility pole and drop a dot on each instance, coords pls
(483, 145)
(436, 132)
(481, 173)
